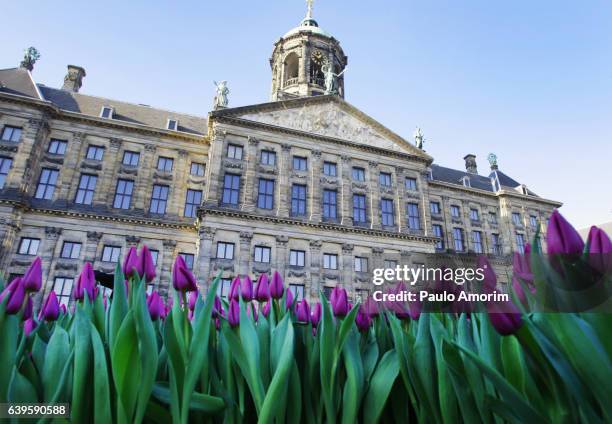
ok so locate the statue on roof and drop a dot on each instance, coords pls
(418, 138)
(331, 79)
(492, 160)
(221, 96)
(30, 56)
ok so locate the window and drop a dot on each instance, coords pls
(262, 254)
(265, 195)
(358, 174)
(298, 200)
(414, 219)
(438, 232)
(361, 264)
(57, 147)
(154, 256)
(520, 243)
(231, 189)
(131, 158)
(197, 169)
(95, 152)
(493, 218)
(533, 221)
(298, 291)
(225, 250)
(455, 211)
(330, 261)
(192, 201)
(70, 250)
(300, 163)
(111, 253)
(411, 183)
(159, 197)
(329, 169)
(458, 239)
(466, 182)
(329, 204)
(224, 288)
(496, 244)
(477, 241)
(516, 218)
(62, 286)
(384, 179)
(87, 186)
(5, 165)
(268, 157)
(386, 211)
(123, 194)
(296, 257)
(28, 246)
(390, 264)
(46, 183)
(474, 215)
(165, 164)
(10, 133)
(106, 112)
(361, 295)
(359, 209)
(327, 291)
(172, 124)
(188, 258)
(434, 207)
(234, 151)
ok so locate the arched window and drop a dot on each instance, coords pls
(291, 69)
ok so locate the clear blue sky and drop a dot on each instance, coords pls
(528, 80)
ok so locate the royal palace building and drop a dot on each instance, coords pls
(305, 184)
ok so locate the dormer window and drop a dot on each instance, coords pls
(172, 124)
(106, 112)
(524, 189)
(466, 181)
(429, 174)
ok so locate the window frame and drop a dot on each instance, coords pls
(13, 130)
(57, 142)
(297, 202)
(131, 154)
(71, 245)
(85, 194)
(189, 259)
(172, 127)
(231, 191)
(267, 157)
(159, 200)
(456, 208)
(298, 295)
(299, 163)
(516, 218)
(29, 242)
(385, 179)
(360, 210)
(165, 160)
(358, 174)
(265, 193)
(434, 229)
(330, 209)
(4, 169)
(224, 245)
(260, 253)
(478, 247)
(299, 256)
(330, 169)
(411, 183)
(438, 208)
(328, 259)
(98, 152)
(387, 212)
(474, 215)
(413, 215)
(63, 295)
(46, 185)
(458, 239)
(114, 252)
(108, 115)
(198, 166)
(123, 195)
(234, 150)
(360, 264)
(191, 207)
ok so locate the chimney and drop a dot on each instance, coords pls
(470, 164)
(74, 78)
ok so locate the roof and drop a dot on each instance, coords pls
(308, 25)
(481, 182)
(19, 81)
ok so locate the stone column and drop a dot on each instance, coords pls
(248, 196)
(30, 150)
(282, 255)
(214, 176)
(104, 187)
(400, 201)
(377, 257)
(47, 254)
(91, 248)
(315, 193)
(448, 228)
(244, 258)
(315, 268)
(345, 196)
(168, 256)
(178, 190)
(69, 175)
(374, 191)
(8, 235)
(302, 72)
(205, 251)
(283, 188)
(347, 279)
(143, 184)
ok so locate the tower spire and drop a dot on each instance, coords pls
(309, 10)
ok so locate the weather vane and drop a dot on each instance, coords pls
(309, 11)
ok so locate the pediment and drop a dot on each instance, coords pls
(329, 117)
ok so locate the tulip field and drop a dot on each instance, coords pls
(262, 356)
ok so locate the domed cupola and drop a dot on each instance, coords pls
(307, 61)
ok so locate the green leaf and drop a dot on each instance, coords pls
(176, 365)
(118, 307)
(327, 340)
(20, 389)
(513, 362)
(250, 346)
(380, 387)
(9, 330)
(126, 368)
(199, 402)
(353, 388)
(58, 350)
(81, 386)
(101, 384)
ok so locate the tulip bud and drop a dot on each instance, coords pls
(217, 324)
(371, 307)
(490, 279)
(315, 315)
(16, 295)
(155, 304)
(265, 309)
(182, 279)
(289, 299)
(600, 250)
(217, 307)
(363, 320)
(276, 286)
(27, 311)
(50, 310)
(561, 237)
(234, 292)
(63, 309)
(505, 318)
(302, 311)
(233, 313)
(28, 326)
(252, 312)
(32, 279)
(86, 283)
(131, 263)
(193, 298)
(262, 289)
(521, 272)
(339, 301)
(246, 289)
(147, 264)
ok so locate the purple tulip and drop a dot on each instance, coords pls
(50, 310)
(339, 301)
(600, 250)
(246, 289)
(233, 313)
(521, 272)
(155, 304)
(415, 308)
(302, 311)
(86, 283)
(32, 279)
(489, 282)
(234, 292)
(315, 314)
(289, 299)
(505, 317)
(147, 264)
(131, 263)
(16, 295)
(252, 312)
(63, 309)
(561, 237)
(193, 298)
(363, 320)
(217, 307)
(371, 307)
(265, 309)
(217, 324)
(276, 286)
(262, 289)
(27, 311)
(182, 279)
(28, 326)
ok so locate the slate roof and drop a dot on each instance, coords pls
(18, 81)
(482, 182)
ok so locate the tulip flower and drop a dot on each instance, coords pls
(262, 289)
(32, 279)
(490, 279)
(302, 311)
(363, 320)
(50, 309)
(371, 307)
(182, 279)
(28, 326)
(233, 313)
(246, 289)
(193, 298)
(252, 312)
(289, 299)
(131, 263)
(63, 309)
(600, 250)
(315, 314)
(505, 317)
(521, 273)
(217, 324)
(27, 311)
(415, 308)
(217, 307)
(265, 309)
(339, 301)
(147, 264)
(85, 284)
(16, 295)
(234, 292)
(155, 304)
(561, 237)
(276, 286)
